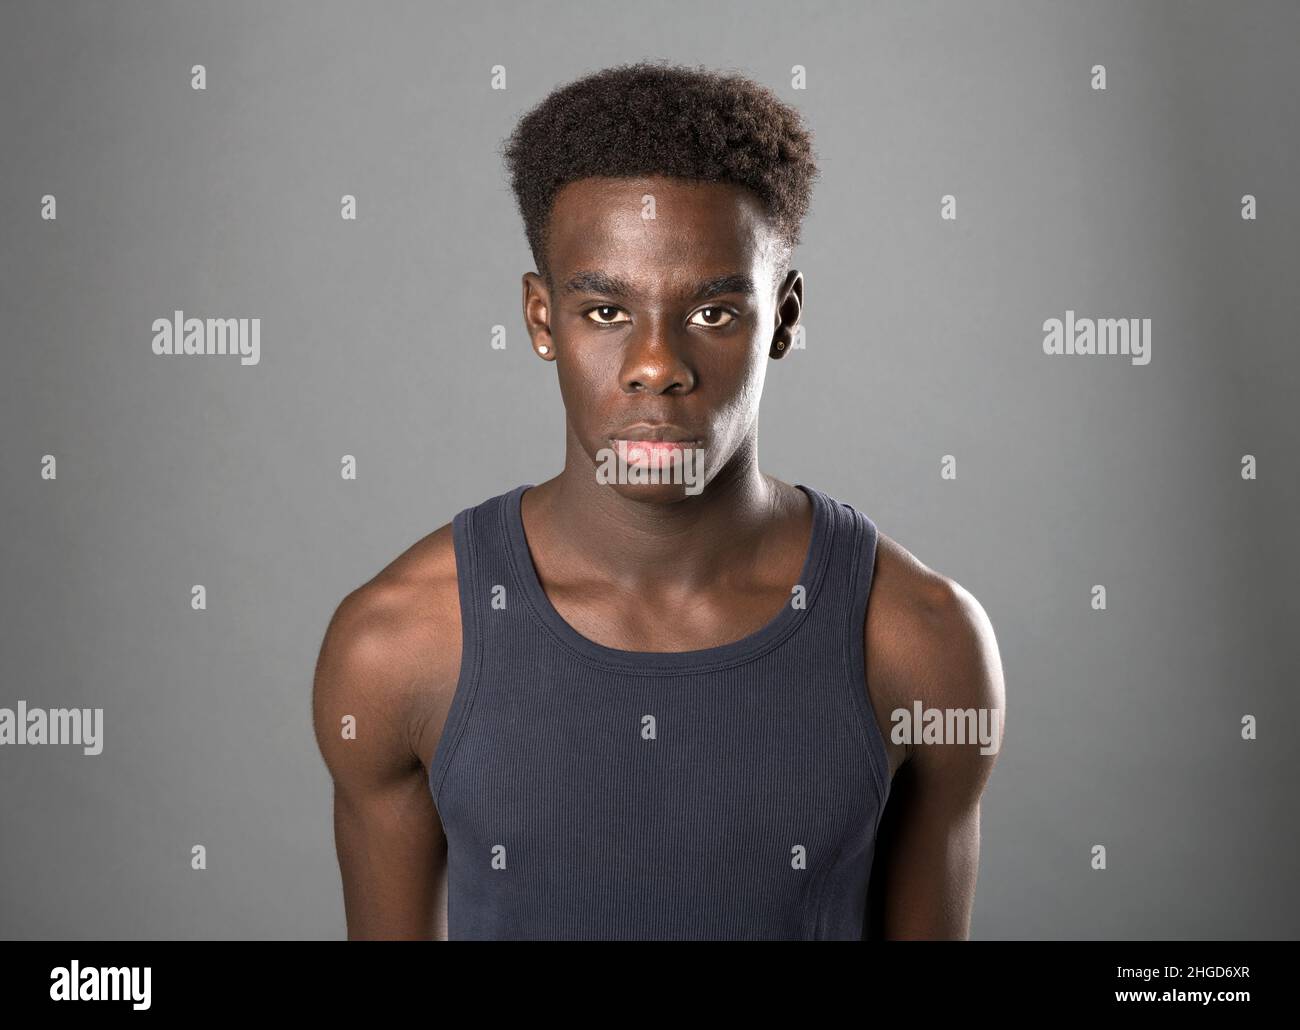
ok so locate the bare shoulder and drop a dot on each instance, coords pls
(928, 639)
(390, 659)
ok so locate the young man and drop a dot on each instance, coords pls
(649, 710)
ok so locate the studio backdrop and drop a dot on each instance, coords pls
(998, 181)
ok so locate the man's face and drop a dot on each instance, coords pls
(661, 326)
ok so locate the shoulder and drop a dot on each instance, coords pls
(928, 638)
(391, 655)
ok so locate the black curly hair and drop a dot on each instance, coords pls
(653, 118)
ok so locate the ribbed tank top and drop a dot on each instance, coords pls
(591, 793)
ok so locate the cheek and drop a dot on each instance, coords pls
(747, 371)
(738, 406)
(581, 379)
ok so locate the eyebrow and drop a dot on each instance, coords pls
(614, 286)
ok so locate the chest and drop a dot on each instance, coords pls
(661, 809)
(682, 621)
(725, 762)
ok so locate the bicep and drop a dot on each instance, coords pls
(928, 851)
(392, 856)
(389, 840)
(929, 847)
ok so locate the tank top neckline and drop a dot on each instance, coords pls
(735, 652)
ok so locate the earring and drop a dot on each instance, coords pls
(543, 349)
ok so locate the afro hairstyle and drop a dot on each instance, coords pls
(653, 118)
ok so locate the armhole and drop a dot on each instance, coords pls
(864, 564)
(470, 653)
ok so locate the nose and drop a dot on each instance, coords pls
(655, 363)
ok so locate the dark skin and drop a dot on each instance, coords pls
(648, 568)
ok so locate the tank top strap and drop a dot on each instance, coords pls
(850, 563)
(483, 566)
(483, 578)
(838, 618)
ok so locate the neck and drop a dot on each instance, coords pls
(582, 523)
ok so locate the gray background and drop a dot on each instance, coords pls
(924, 339)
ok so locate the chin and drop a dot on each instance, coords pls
(656, 493)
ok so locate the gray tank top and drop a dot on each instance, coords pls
(729, 793)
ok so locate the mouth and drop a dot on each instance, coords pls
(646, 433)
(640, 450)
(661, 453)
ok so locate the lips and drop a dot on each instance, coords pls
(660, 445)
(653, 453)
(648, 448)
(662, 433)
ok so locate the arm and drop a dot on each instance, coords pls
(383, 662)
(940, 650)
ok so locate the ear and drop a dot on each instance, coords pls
(537, 315)
(789, 305)
(780, 343)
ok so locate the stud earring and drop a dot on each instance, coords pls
(543, 349)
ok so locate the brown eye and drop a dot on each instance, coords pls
(602, 313)
(714, 318)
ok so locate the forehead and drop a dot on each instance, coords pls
(697, 227)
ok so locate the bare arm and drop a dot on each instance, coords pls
(381, 664)
(941, 651)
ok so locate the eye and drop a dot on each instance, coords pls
(601, 311)
(714, 318)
